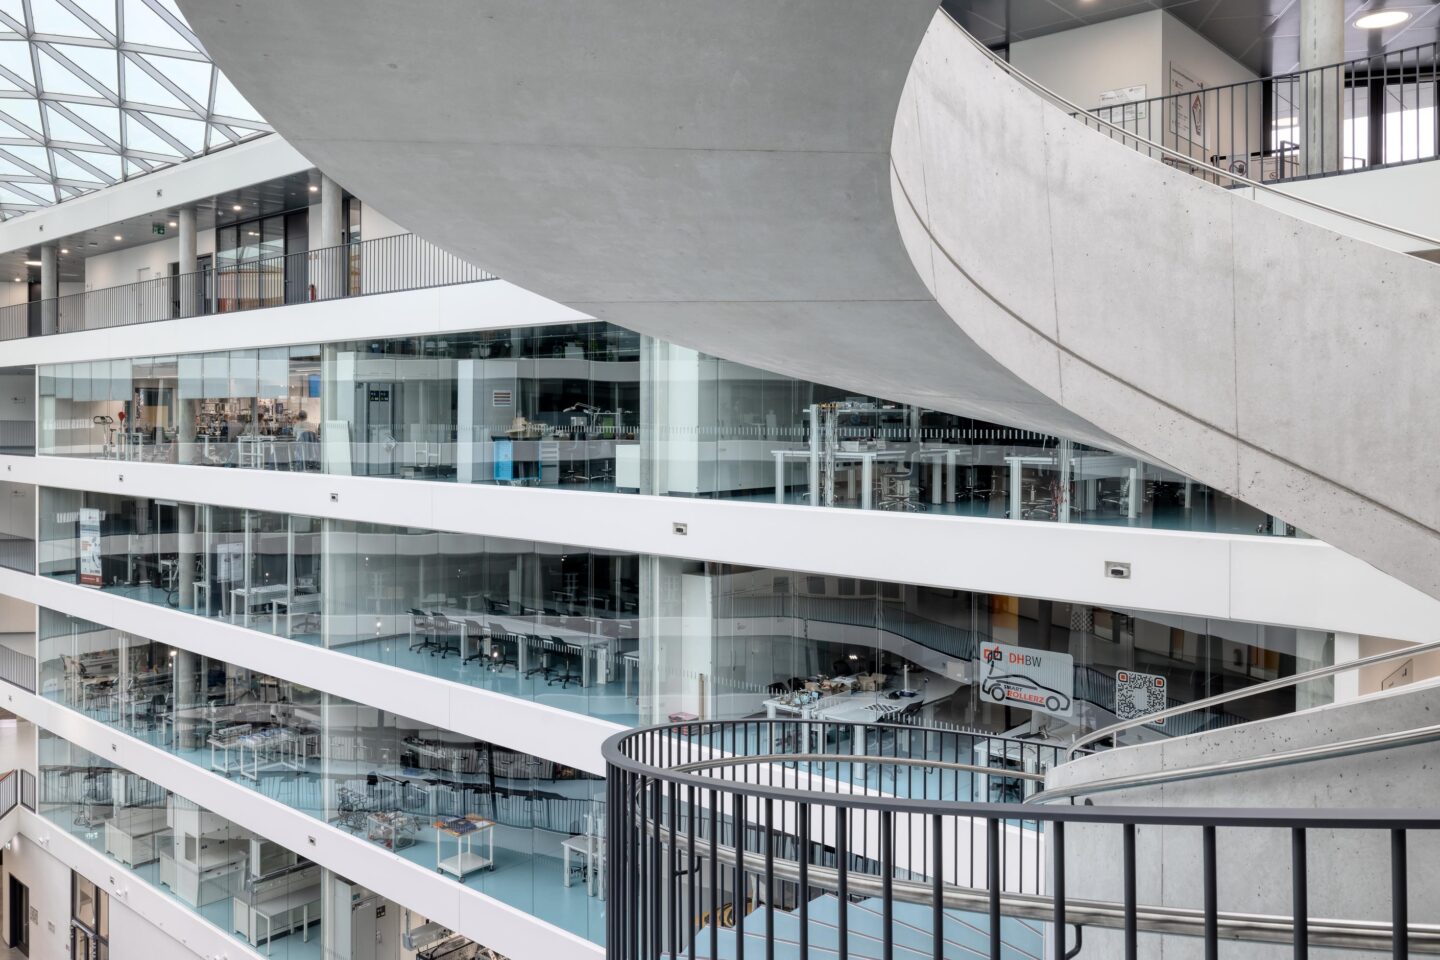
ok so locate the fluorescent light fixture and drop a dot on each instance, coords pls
(1381, 19)
(34, 263)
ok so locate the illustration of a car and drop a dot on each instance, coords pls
(994, 685)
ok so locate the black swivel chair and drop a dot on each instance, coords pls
(546, 664)
(569, 657)
(447, 636)
(422, 630)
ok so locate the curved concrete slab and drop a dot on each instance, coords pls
(1269, 357)
(714, 173)
(734, 176)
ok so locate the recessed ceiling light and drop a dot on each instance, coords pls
(1381, 19)
(237, 208)
(65, 251)
(118, 237)
(17, 280)
(314, 189)
(174, 224)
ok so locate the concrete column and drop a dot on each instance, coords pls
(49, 289)
(188, 542)
(1322, 44)
(327, 232)
(191, 287)
(1347, 648)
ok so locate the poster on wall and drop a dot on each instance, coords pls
(1123, 105)
(1139, 694)
(90, 573)
(1034, 679)
(1187, 112)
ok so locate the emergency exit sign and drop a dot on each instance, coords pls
(158, 229)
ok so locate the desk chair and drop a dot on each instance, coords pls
(546, 666)
(504, 648)
(422, 630)
(568, 655)
(447, 635)
(899, 489)
(479, 633)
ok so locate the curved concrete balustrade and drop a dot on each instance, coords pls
(713, 173)
(720, 174)
(1266, 356)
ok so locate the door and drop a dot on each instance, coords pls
(297, 243)
(19, 916)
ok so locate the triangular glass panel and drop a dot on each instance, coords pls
(70, 170)
(192, 76)
(101, 10)
(140, 137)
(145, 26)
(99, 62)
(104, 119)
(63, 128)
(189, 132)
(15, 57)
(9, 169)
(14, 9)
(55, 77)
(37, 157)
(8, 195)
(23, 115)
(229, 102)
(107, 162)
(50, 17)
(140, 87)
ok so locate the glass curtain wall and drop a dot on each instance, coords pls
(594, 407)
(640, 639)
(516, 827)
(252, 888)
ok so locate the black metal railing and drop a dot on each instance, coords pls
(767, 852)
(382, 265)
(17, 553)
(27, 790)
(17, 437)
(1376, 111)
(17, 668)
(9, 791)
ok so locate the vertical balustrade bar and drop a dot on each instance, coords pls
(1057, 889)
(937, 885)
(770, 905)
(887, 895)
(738, 816)
(1132, 951)
(691, 869)
(1299, 893)
(1399, 896)
(1212, 917)
(992, 881)
(672, 874)
(714, 874)
(802, 830)
(842, 886)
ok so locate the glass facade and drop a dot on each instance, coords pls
(640, 639)
(594, 407)
(515, 827)
(250, 887)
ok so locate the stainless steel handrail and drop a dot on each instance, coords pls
(1326, 751)
(1246, 927)
(1269, 685)
(1078, 111)
(865, 759)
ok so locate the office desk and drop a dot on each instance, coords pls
(866, 459)
(590, 849)
(249, 597)
(813, 474)
(290, 910)
(463, 830)
(302, 603)
(938, 456)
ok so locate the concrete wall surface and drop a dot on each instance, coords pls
(1349, 870)
(1244, 346)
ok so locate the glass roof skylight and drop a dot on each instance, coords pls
(97, 91)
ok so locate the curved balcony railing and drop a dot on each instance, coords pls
(1376, 111)
(713, 853)
(1200, 166)
(383, 265)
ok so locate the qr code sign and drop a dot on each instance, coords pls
(1139, 694)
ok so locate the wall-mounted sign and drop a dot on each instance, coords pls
(1139, 694)
(1035, 679)
(158, 228)
(90, 571)
(379, 396)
